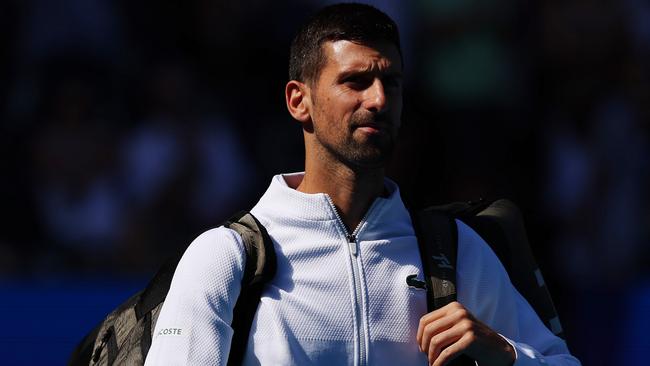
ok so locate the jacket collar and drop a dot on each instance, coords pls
(281, 202)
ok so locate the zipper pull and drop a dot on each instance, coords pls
(352, 242)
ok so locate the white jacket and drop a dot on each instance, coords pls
(335, 300)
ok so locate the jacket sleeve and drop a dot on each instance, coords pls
(484, 288)
(194, 323)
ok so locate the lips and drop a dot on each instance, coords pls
(372, 127)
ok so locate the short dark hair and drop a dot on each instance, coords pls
(359, 23)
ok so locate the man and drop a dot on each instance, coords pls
(344, 240)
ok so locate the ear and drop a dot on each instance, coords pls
(298, 101)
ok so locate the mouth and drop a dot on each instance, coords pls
(369, 129)
(372, 128)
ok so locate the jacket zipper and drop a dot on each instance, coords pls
(351, 241)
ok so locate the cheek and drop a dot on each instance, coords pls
(340, 112)
(336, 107)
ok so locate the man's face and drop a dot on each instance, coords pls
(357, 102)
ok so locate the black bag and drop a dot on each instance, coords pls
(124, 336)
(501, 225)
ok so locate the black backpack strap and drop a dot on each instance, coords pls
(437, 236)
(260, 268)
(151, 297)
(157, 288)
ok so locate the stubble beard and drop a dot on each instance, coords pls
(371, 152)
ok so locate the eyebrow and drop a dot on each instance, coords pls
(368, 70)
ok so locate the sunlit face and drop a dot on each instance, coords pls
(357, 102)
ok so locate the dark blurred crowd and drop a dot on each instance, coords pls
(128, 127)
(131, 126)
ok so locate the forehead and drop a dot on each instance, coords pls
(342, 56)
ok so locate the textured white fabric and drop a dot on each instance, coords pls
(307, 313)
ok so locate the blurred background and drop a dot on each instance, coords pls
(129, 127)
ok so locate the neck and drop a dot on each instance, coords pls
(351, 190)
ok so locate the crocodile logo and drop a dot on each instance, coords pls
(412, 281)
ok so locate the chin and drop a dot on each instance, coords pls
(371, 160)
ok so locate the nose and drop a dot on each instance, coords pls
(375, 98)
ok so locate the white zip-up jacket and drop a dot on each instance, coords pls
(338, 298)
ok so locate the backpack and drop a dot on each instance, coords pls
(124, 337)
(501, 225)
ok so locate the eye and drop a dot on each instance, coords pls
(358, 82)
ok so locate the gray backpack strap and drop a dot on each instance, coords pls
(260, 269)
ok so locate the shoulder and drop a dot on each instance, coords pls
(215, 254)
(200, 301)
(474, 251)
(483, 284)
